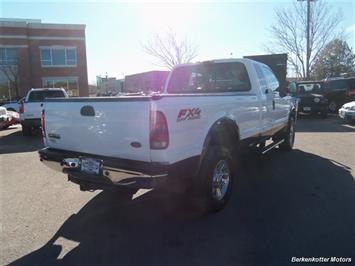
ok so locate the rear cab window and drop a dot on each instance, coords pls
(210, 77)
(39, 96)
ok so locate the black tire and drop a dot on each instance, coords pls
(289, 137)
(26, 130)
(215, 198)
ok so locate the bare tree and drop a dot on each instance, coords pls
(290, 33)
(169, 51)
(11, 74)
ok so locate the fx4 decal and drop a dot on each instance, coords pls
(189, 114)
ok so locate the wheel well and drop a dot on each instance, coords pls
(223, 132)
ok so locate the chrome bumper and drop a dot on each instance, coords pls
(110, 175)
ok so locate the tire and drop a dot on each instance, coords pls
(216, 178)
(289, 137)
(332, 107)
(26, 130)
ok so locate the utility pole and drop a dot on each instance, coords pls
(308, 28)
(308, 49)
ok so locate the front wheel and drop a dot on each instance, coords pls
(216, 178)
(289, 138)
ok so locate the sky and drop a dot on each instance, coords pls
(116, 30)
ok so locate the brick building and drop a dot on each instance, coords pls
(35, 54)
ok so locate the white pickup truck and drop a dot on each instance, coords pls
(192, 131)
(31, 107)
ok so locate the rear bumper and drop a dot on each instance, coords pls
(35, 122)
(313, 108)
(117, 172)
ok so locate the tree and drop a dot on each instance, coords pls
(336, 58)
(290, 33)
(169, 51)
(11, 74)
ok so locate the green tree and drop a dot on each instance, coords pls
(335, 58)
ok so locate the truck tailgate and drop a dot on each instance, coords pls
(32, 110)
(115, 127)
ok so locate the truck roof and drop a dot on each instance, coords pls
(223, 60)
(46, 89)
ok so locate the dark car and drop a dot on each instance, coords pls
(310, 97)
(339, 91)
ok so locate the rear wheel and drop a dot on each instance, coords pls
(289, 137)
(216, 178)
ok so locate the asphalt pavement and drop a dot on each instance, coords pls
(285, 204)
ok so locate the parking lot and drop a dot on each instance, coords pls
(296, 204)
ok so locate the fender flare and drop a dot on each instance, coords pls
(221, 122)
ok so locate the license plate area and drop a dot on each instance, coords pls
(307, 109)
(91, 166)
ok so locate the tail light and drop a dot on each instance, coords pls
(159, 133)
(22, 108)
(43, 125)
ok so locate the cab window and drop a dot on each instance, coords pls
(271, 80)
(210, 77)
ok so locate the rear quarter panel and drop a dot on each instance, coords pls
(187, 136)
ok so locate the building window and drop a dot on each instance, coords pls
(58, 56)
(70, 84)
(8, 56)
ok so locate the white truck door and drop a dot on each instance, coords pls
(276, 112)
(267, 99)
(280, 104)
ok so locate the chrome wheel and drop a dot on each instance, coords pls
(220, 180)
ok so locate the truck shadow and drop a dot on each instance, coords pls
(13, 141)
(287, 204)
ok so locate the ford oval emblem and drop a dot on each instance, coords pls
(136, 144)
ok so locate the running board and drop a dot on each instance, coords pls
(271, 146)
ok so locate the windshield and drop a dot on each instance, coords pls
(209, 77)
(309, 88)
(39, 96)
